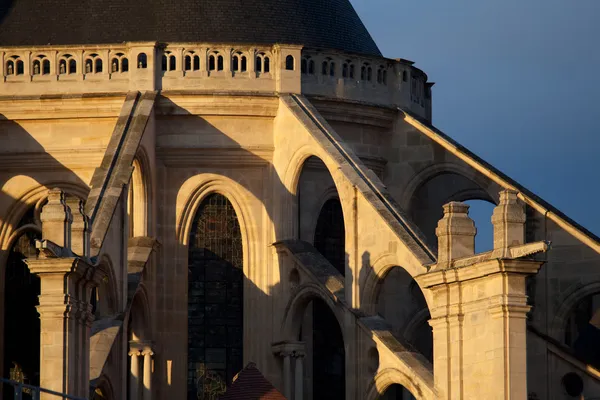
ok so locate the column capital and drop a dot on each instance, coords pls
(147, 351)
(298, 354)
(287, 347)
(134, 352)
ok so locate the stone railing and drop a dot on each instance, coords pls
(213, 67)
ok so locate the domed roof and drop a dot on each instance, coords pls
(330, 24)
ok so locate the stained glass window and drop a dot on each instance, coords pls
(215, 299)
(330, 234)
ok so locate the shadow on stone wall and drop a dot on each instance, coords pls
(21, 174)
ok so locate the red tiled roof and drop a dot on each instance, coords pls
(250, 384)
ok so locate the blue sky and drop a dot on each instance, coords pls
(517, 82)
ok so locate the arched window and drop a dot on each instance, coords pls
(169, 62)
(582, 331)
(351, 71)
(289, 63)
(211, 62)
(21, 320)
(344, 70)
(119, 63)
(10, 67)
(196, 64)
(258, 64)
(67, 65)
(98, 64)
(311, 67)
(369, 73)
(379, 76)
(62, 67)
(329, 356)
(262, 63)
(332, 69)
(404, 76)
(36, 67)
(384, 77)
(325, 68)
(88, 66)
(304, 66)
(220, 63)
(114, 65)
(330, 236)
(239, 63)
(72, 66)
(93, 64)
(187, 62)
(45, 66)
(363, 73)
(215, 298)
(142, 61)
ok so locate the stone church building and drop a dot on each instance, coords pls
(192, 187)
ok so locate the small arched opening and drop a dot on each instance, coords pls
(402, 304)
(289, 63)
(582, 330)
(137, 202)
(427, 199)
(311, 318)
(397, 392)
(321, 219)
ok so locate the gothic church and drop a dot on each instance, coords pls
(194, 188)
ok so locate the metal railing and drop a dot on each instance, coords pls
(23, 391)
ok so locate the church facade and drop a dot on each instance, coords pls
(189, 188)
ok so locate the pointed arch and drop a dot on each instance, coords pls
(392, 376)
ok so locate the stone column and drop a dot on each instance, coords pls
(62, 353)
(66, 282)
(288, 350)
(147, 382)
(287, 374)
(299, 372)
(134, 373)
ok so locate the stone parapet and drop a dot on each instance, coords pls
(214, 67)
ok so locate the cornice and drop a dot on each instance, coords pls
(221, 103)
(230, 157)
(334, 109)
(61, 106)
(54, 160)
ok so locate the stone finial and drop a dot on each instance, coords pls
(456, 233)
(56, 219)
(80, 228)
(509, 221)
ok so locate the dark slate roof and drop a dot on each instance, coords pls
(250, 384)
(330, 24)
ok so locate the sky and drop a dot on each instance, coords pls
(516, 81)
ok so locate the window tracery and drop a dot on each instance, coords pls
(93, 64)
(215, 298)
(262, 63)
(119, 63)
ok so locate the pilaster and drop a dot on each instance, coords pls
(64, 321)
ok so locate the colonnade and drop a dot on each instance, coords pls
(140, 389)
